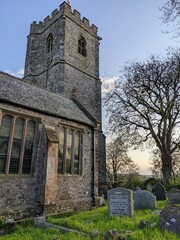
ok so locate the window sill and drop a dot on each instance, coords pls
(16, 175)
(68, 175)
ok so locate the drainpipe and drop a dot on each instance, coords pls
(93, 165)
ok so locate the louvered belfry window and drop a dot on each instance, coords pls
(16, 144)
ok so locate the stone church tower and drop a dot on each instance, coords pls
(63, 57)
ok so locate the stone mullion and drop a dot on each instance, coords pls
(80, 152)
(10, 145)
(64, 151)
(72, 153)
(23, 142)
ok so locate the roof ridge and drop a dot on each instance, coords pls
(10, 75)
(34, 85)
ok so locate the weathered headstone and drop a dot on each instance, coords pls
(149, 187)
(144, 199)
(173, 196)
(112, 234)
(99, 201)
(170, 218)
(160, 192)
(120, 202)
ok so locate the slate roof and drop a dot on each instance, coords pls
(14, 90)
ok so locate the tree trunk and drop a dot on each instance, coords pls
(115, 179)
(167, 168)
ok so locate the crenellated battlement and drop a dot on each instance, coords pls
(63, 12)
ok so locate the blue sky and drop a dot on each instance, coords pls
(131, 30)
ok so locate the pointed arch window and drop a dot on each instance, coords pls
(82, 46)
(50, 43)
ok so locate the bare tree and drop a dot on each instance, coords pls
(145, 105)
(119, 164)
(156, 164)
(171, 14)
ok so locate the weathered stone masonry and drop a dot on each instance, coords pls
(60, 89)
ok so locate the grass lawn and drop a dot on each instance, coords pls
(93, 221)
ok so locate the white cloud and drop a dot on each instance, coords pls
(19, 73)
(108, 83)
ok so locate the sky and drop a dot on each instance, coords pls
(131, 30)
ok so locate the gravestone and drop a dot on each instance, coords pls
(144, 199)
(120, 202)
(173, 196)
(160, 192)
(149, 187)
(170, 218)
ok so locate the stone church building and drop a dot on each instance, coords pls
(52, 148)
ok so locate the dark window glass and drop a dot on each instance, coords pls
(28, 150)
(76, 152)
(68, 151)
(82, 46)
(16, 146)
(50, 43)
(4, 141)
(61, 151)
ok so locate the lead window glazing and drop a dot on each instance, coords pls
(16, 144)
(70, 152)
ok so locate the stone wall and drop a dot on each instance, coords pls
(25, 193)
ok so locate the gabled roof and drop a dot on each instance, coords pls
(14, 90)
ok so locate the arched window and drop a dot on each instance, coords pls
(82, 46)
(50, 43)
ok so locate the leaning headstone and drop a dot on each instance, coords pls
(170, 218)
(144, 224)
(112, 234)
(173, 196)
(144, 199)
(149, 187)
(160, 192)
(120, 202)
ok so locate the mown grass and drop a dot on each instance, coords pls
(93, 221)
(98, 220)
